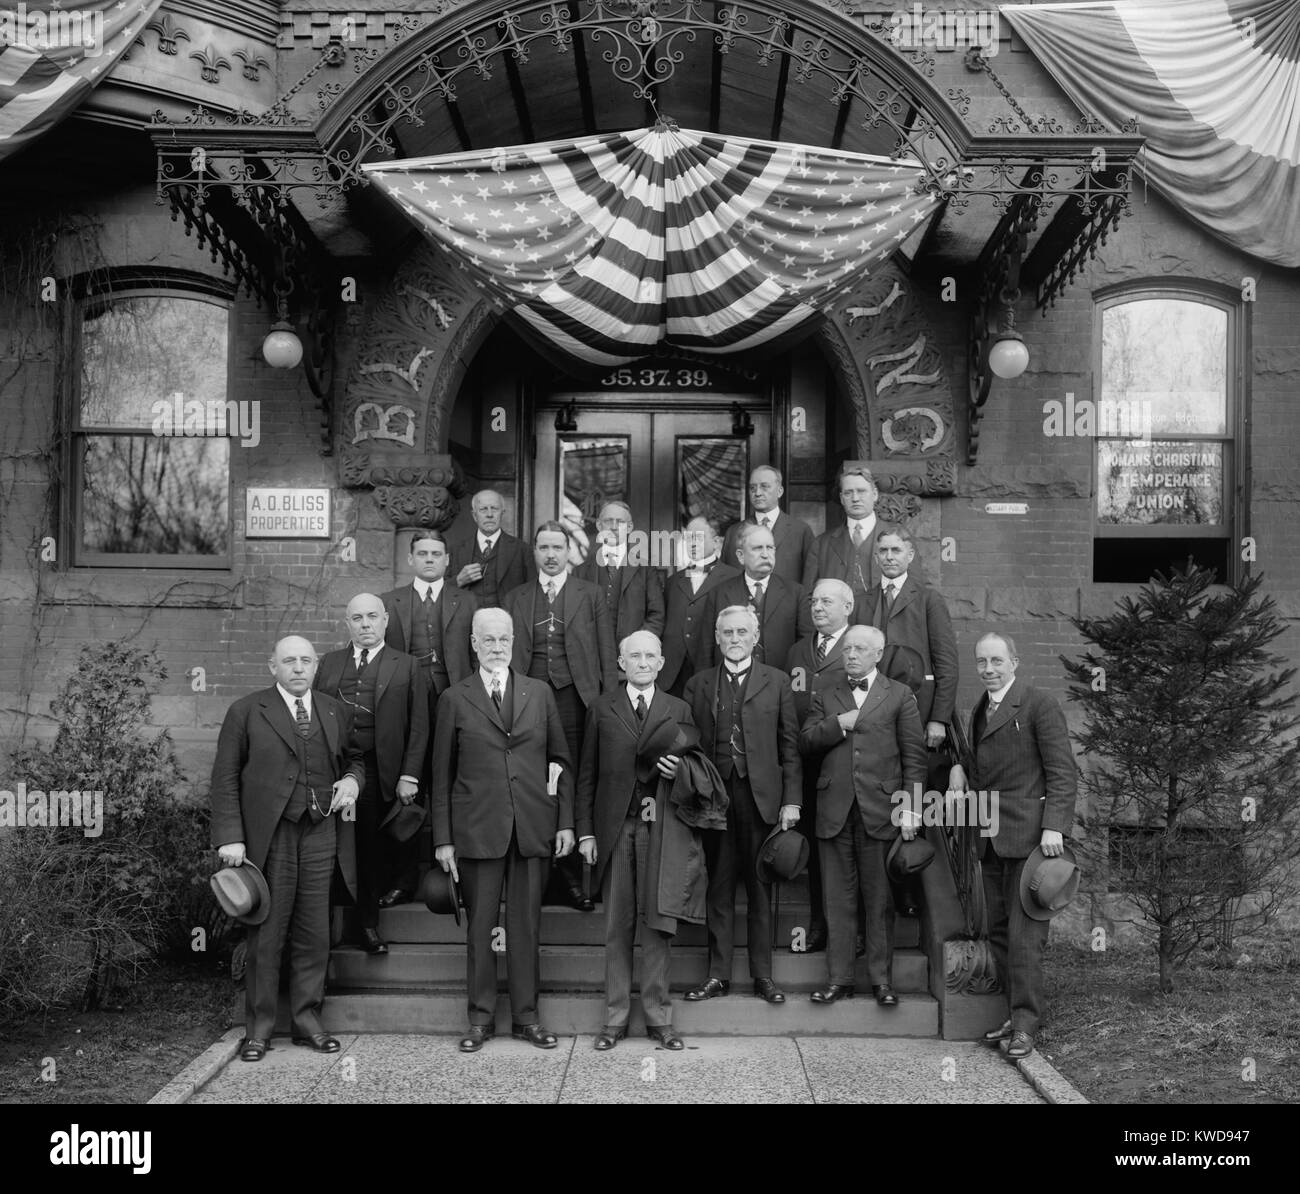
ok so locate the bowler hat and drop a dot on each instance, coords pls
(667, 738)
(403, 821)
(242, 892)
(1047, 885)
(907, 858)
(783, 855)
(440, 893)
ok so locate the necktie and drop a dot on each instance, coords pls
(365, 658)
(427, 601)
(737, 677)
(857, 534)
(823, 645)
(304, 722)
(640, 706)
(496, 692)
(992, 709)
(890, 593)
(550, 592)
(764, 521)
(485, 548)
(862, 685)
(758, 598)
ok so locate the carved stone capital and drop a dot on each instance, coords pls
(969, 968)
(417, 505)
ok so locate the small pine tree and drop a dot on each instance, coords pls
(1192, 758)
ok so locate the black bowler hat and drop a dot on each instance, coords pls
(783, 855)
(907, 858)
(403, 821)
(440, 893)
(242, 892)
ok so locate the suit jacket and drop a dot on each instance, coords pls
(786, 618)
(807, 676)
(401, 711)
(771, 733)
(833, 557)
(489, 778)
(884, 754)
(456, 607)
(256, 768)
(608, 772)
(920, 620)
(515, 563)
(685, 633)
(1024, 755)
(587, 625)
(640, 597)
(793, 539)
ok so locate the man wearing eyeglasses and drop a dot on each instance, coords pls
(388, 698)
(285, 771)
(634, 591)
(792, 538)
(847, 553)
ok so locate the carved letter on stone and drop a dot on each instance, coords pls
(372, 421)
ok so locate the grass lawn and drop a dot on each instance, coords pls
(120, 1054)
(1118, 1040)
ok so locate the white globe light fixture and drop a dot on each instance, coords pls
(282, 349)
(1008, 357)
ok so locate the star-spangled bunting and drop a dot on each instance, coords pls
(608, 246)
(53, 54)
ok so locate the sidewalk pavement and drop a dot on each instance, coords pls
(808, 1069)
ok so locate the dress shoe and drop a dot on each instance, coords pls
(476, 1038)
(831, 993)
(885, 996)
(608, 1038)
(1022, 1045)
(664, 1034)
(320, 1041)
(1000, 1033)
(534, 1034)
(859, 945)
(579, 900)
(711, 989)
(372, 942)
(399, 895)
(252, 1049)
(815, 942)
(765, 988)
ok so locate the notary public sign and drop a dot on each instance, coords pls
(288, 514)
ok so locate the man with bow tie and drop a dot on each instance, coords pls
(792, 538)
(285, 772)
(489, 561)
(847, 553)
(1020, 750)
(634, 592)
(686, 598)
(783, 615)
(863, 734)
(428, 619)
(564, 636)
(745, 712)
(497, 818)
(813, 663)
(389, 701)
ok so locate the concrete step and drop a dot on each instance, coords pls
(573, 1013)
(582, 967)
(414, 923)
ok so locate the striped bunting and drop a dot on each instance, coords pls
(1215, 85)
(609, 246)
(52, 54)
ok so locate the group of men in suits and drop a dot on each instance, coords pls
(557, 718)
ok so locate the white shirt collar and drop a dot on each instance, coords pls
(700, 565)
(754, 583)
(289, 699)
(867, 524)
(558, 581)
(771, 516)
(898, 582)
(486, 677)
(423, 587)
(374, 653)
(858, 694)
(1001, 694)
(613, 557)
(738, 667)
(834, 637)
(632, 694)
(486, 541)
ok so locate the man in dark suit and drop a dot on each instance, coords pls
(782, 612)
(428, 619)
(623, 820)
(846, 553)
(488, 561)
(564, 636)
(745, 712)
(686, 637)
(389, 701)
(499, 810)
(634, 592)
(864, 734)
(1021, 751)
(284, 773)
(813, 663)
(792, 537)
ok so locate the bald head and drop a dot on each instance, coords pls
(293, 664)
(861, 646)
(366, 621)
(641, 658)
(832, 604)
(487, 507)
